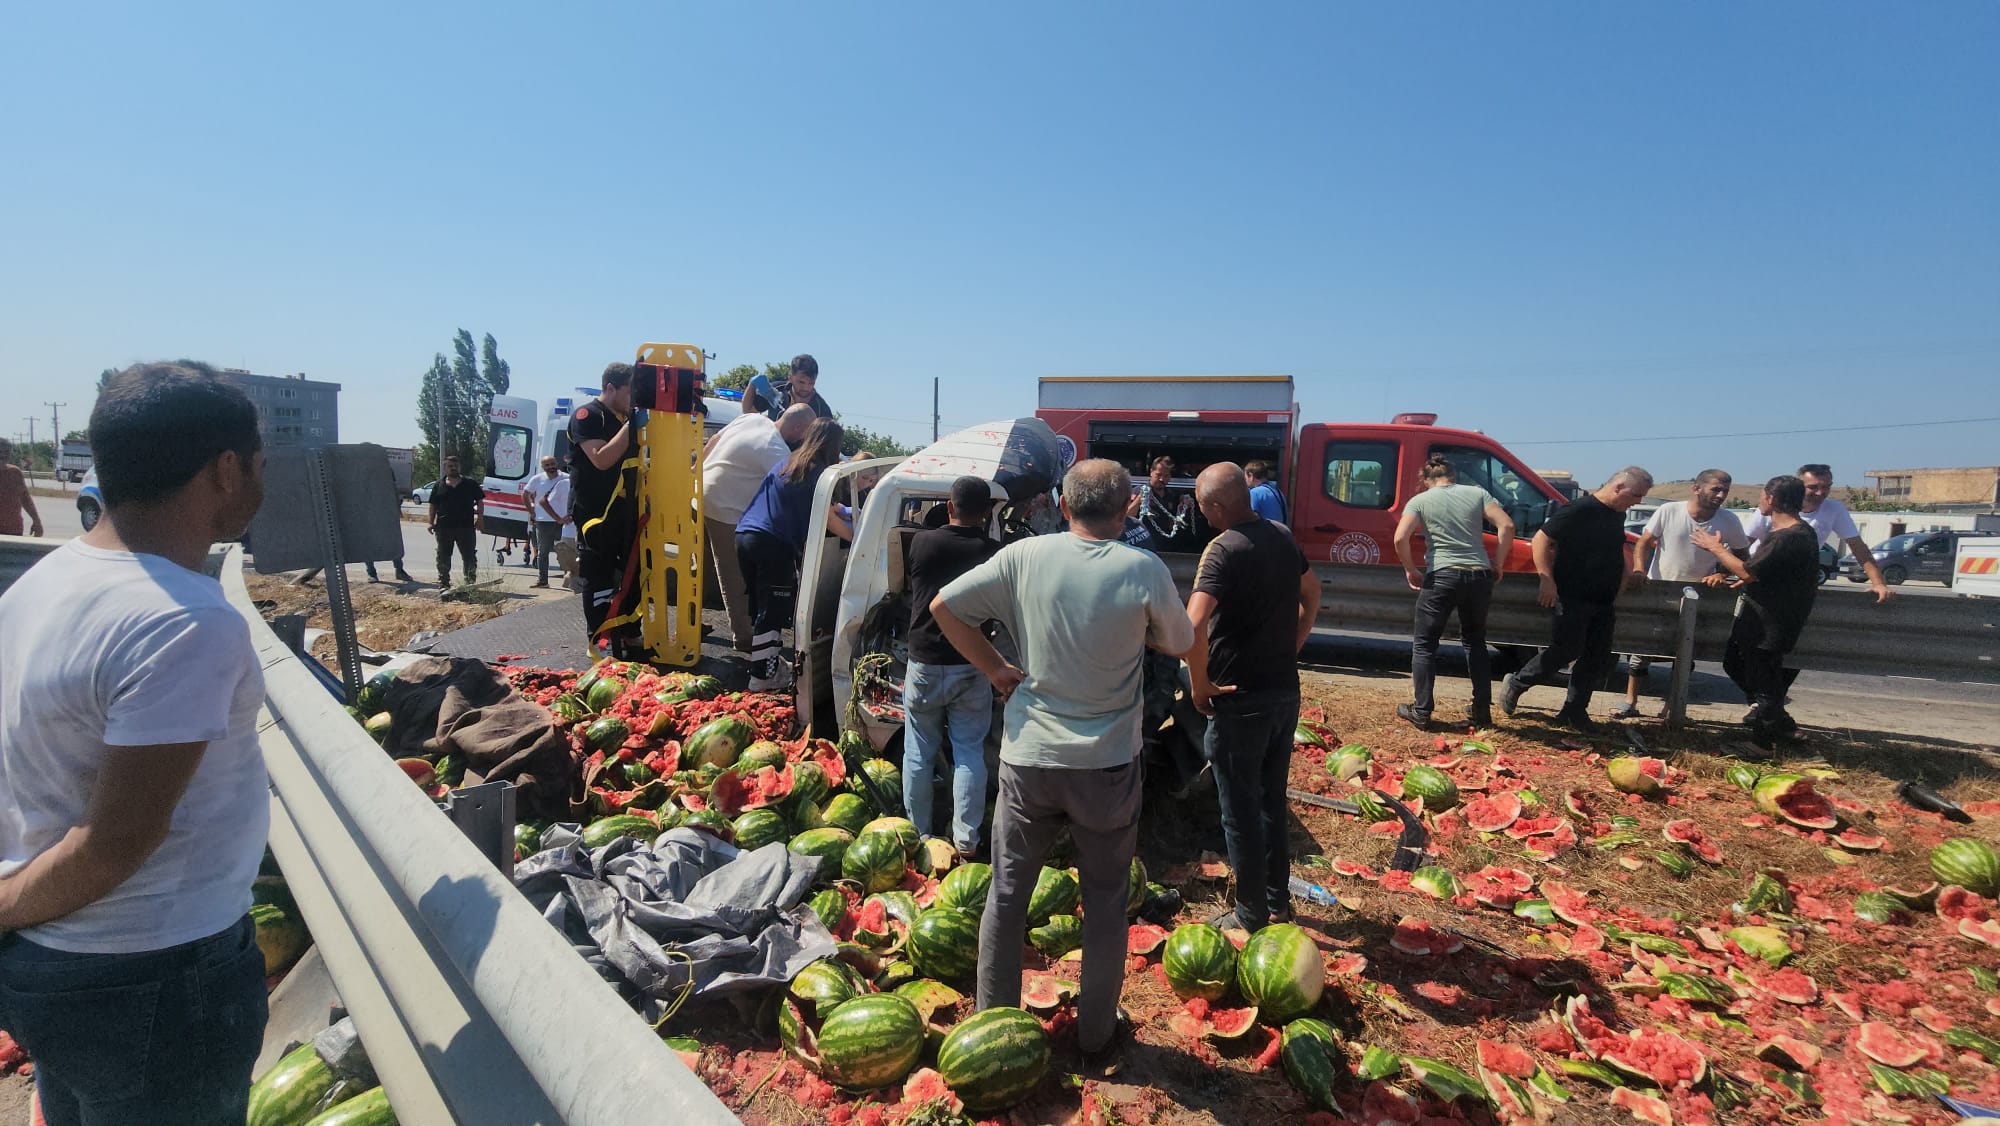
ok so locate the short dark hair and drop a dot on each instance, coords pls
(156, 426)
(1163, 458)
(1817, 469)
(1258, 469)
(1711, 476)
(804, 364)
(971, 496)
(1787, 493)
(616, 375)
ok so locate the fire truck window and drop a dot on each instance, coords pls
(1361, 474)
(1503, 483)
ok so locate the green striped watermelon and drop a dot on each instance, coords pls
(825, 985)
(606, 734)
(888, 782)
(830, 905)
(719, 742)
(902, 828)
(1135, 888)
(994, 1058)
(871, 1042)
(875, 861)
(829, 844)
(286, 1094)
(1313, 1060)
(604, 830)
(846, 811)
(1199, 962)
(369, 1108)
(602, 693)
(760, 827)
(965, 887)
(1431, 784)
(1971, 864)
(1056, 893)
(1282, 972)
(1060, 935)
(944, 943)
(808, 780)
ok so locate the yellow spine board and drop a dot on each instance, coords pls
(671, 550)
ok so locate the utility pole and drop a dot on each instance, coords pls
(55, 426)
(934, 409)
(30, 463)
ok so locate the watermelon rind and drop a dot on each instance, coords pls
(1199, 962)
(965, 887)
(1879, 907)
(1060, 935)
(1431, 784)
(843, 811)
(718, 742)
(369, 1108)
(1056, 893)
(871, 1042)
(824, 985)
(876, 861)
(1435, 881)
(1971, 864)
(928, 996)
(286, 1093)
(1282, 972)
(1444, 1080)
(944, 943)
(604, 830)
(994, 1059)
(1377, 1063)
(829, 844)
(606, 734)
(758, 828)
(1921, 1084)
(1313, 1061)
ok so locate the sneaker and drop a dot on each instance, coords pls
(1626, 711)
(1410, 715)
(1510, 695)
(1229, 920)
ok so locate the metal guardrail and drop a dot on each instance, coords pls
(1950, 639)
(473, 1008)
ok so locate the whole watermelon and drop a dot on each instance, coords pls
(1199, 962)
(824, 986)
(373, 695)
(875, 861)
(1281, 971)
(965, 887)
(1971, 864)
(871, 1042)
(993, 1059)
(1313, 1060)
(718, 743)
(829, 844)
(758, 828)
(369, 1108)
(888, 783)
(944, 943)
(569, 708)
(847, 811)
(1056, 893)
(902, 828)
(281, 934)
(604, 830)
(808, 780)
(830, 905)
(286, 1094)
(764, 753)
(1135, 888)
(603, 692)
(1431, 784)
(606, 734)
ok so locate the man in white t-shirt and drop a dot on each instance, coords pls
(1666, 550)
(1830, 521)
(548, 519)
(733, 466)
(133, 798)
(558, 502)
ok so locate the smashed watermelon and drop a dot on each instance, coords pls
(1492, 814)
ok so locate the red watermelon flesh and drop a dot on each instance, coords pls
(1791, 986)
(926, 1086)
(1884, 1045)
(1506, 1059)
(1690, 836)
(1042, 993)
(1645, 1108)
(1499, 887)
(1853, 840)
(1806, 807)
(1186, 1025)
(1551, 846)
(1230, 1024)
(1789, 1050)
(1956, 904)
(1381, 1103)
(1981, 930)
(1357, 871)
(1347, 965)
(1492, 814)
(1658, 1055)
(1419, 937)
(872, 918)
(1144, 938)
(734, 792)
(1527, 827)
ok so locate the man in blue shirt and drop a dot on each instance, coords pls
(1265, 500)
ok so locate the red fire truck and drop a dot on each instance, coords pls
(1344, 483)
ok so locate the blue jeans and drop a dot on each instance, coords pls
(1249, 745)
(937, 698)
(162, 1037)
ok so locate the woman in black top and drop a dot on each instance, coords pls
(1779, 584)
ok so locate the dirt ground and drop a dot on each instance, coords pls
(386, 615)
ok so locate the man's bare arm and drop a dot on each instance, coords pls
(974, 647)
(1406, 548)
(1309, 593)
(1545, 566)
(1878, 585)
(1503, 532)
(131, 806)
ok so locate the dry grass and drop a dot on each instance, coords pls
(385, 618)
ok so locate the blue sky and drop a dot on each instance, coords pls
(1544, 221)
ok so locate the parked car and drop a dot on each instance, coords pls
(1913, 555)
(89, 502)
(422, 493)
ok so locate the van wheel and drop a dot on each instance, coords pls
(1894, 575)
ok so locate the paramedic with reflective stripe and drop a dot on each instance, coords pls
(604, 473)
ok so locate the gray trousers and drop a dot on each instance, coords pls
(1101, 810)
(719, 545)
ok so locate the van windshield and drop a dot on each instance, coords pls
(1904, 542)
(1503, 483)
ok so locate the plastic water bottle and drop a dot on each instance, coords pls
(1313, 892)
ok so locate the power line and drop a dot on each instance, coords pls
(1749, 433)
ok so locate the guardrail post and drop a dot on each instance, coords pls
(339, 601)
(1677, 686)
(485, 814)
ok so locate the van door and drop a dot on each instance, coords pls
(822, 573)
(511, 457)
(1933, 558)
(1514, 489)
(1345, 494)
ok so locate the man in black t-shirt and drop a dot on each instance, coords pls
(604, 492)
(1779, 584)
(801, 386)
(454, 521)
(1255, 600)
(1580, 555)
(943, 694)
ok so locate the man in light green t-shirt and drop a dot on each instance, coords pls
(1083, 608)
(1457, 577)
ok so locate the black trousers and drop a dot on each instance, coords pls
(1580, 632)
(1758, 669)
(603, 545)
(1469, 594)
(466, 540)
(771, 575)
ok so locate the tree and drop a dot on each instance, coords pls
(854, 439)
(736, 378)
(454, 400)
(77, 436)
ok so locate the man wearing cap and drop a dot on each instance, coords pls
(945, 697)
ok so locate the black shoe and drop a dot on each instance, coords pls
(1510, 695)
(405, 577)
(1578, 722)
(1479, 717)
(1109, 1060)
(1410, 715)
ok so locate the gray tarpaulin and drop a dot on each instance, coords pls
(634, 911)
